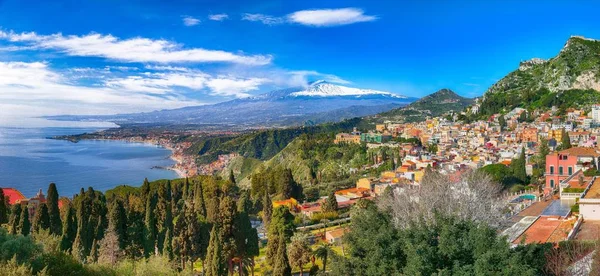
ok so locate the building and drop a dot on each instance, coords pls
(347, 138)
(14, 196)
(589, 204)
(335, 236)
(372, 137)
(560, 165)
(595, 114)
(529, 135)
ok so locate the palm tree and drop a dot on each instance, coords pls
(322, 252)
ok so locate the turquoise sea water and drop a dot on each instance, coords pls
(29, 161)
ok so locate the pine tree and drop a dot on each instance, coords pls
(281, 265)
(15, 218)
(109, 250)
(267, 211)
(24, 223)
(299, 252)
(3, 207)
(53, 210)
(69, 229)
(41, 219)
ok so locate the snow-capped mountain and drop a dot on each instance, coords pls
(325, 89)
(319, 102)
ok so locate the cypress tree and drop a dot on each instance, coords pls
(330, 204)
(53, 210)
(565, 140)
(150, 226)
(281, 265)
(24, 223)
(41, 219)
(117, 222)
(215, 264)
(542, 152)
(186, 188)
(199, 204)
(3, 207)
(231, 177)
(282, 225)
(15, 218)
(519, 170)
(145, 191)
(167, 246)
(93, 257)
(267, 210)
(69, 230)
(502, 122)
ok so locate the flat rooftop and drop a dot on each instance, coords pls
(594, 191)
(515, 231)
(540, 231)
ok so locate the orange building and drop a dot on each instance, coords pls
(529, 135)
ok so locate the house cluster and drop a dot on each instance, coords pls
(14, 196)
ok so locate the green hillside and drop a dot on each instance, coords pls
(570, 79)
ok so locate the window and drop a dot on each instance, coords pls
(560, 170)
(551, 183)
(551, 169)
(570, 169)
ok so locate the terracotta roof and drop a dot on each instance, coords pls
(13, 195)
(579, 151)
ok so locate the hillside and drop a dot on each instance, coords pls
(572, 78)
(436, 104)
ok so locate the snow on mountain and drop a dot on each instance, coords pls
(326, 89)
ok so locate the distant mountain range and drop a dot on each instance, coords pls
(570, 79)
(432, 105)
(320, 102)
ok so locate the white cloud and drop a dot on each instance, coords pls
(265, 19)
(218, 17)
(190, 21)
(330, 17)
(302, 76)
(227, 86)
(137, 49)
(27, 89)
(159, 83)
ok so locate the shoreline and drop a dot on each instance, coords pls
(173, 156)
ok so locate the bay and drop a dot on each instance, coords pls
(29, 161)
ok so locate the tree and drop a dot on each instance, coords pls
(41, 219)
(110, 250)
(473, 196)
(145, 191)
(281, 265)
(3, 207)
(518, 167)
(150, 231)
(199, 204)
(502, 122)
(565, 140)
(231, 177)
(167, 246)
(281, 226)
(543, 151)
(215, 265)
(299, 252)
(69, 229)
(322, 252)
(117, 222)
(267, 211)
(53, 210)
(330, 204)
(24, 223)
(15, 218)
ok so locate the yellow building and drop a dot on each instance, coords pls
(364, 183)
(290, 203)
(380, 127)
(555, 133)
(347, 138)
(419, 176)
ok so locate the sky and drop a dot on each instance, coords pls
(107, 57)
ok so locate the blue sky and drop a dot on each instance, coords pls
(103, 57)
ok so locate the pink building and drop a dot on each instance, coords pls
(560, 165)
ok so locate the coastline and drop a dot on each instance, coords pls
(176, 152)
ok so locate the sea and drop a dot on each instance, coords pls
(29, 161)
